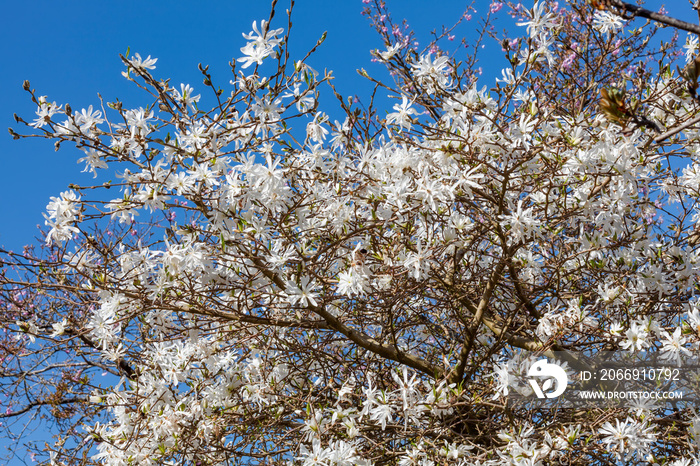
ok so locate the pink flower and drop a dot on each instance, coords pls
(496, 6)
(616, 50)
(568, 61)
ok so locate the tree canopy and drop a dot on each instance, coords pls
(261, 283)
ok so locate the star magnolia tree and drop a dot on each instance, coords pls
(262, 285)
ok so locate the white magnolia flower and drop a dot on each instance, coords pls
(691, 47)
(432, 74)
(93, 160)
(402, 115)
(147, 63)
(505, 380)
(540, 21)
(636, 338)
(186, 96)
(522, 222)
(390, 52)
(62, 211)
(673, 346)
(59, 328)
(606, 22)
(627, 439)
(262, 44)
(304, 294)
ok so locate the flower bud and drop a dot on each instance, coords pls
(612, 104)
(691, 73)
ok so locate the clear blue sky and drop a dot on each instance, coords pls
(69, 51)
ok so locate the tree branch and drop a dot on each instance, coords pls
(635, 10)
(364, 341)
(478, 318)
(34, 404)
(676, 130)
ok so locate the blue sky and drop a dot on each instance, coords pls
(69, 51)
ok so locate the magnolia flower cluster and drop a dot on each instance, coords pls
(63, 212)
(262, 44)
(337, 295)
